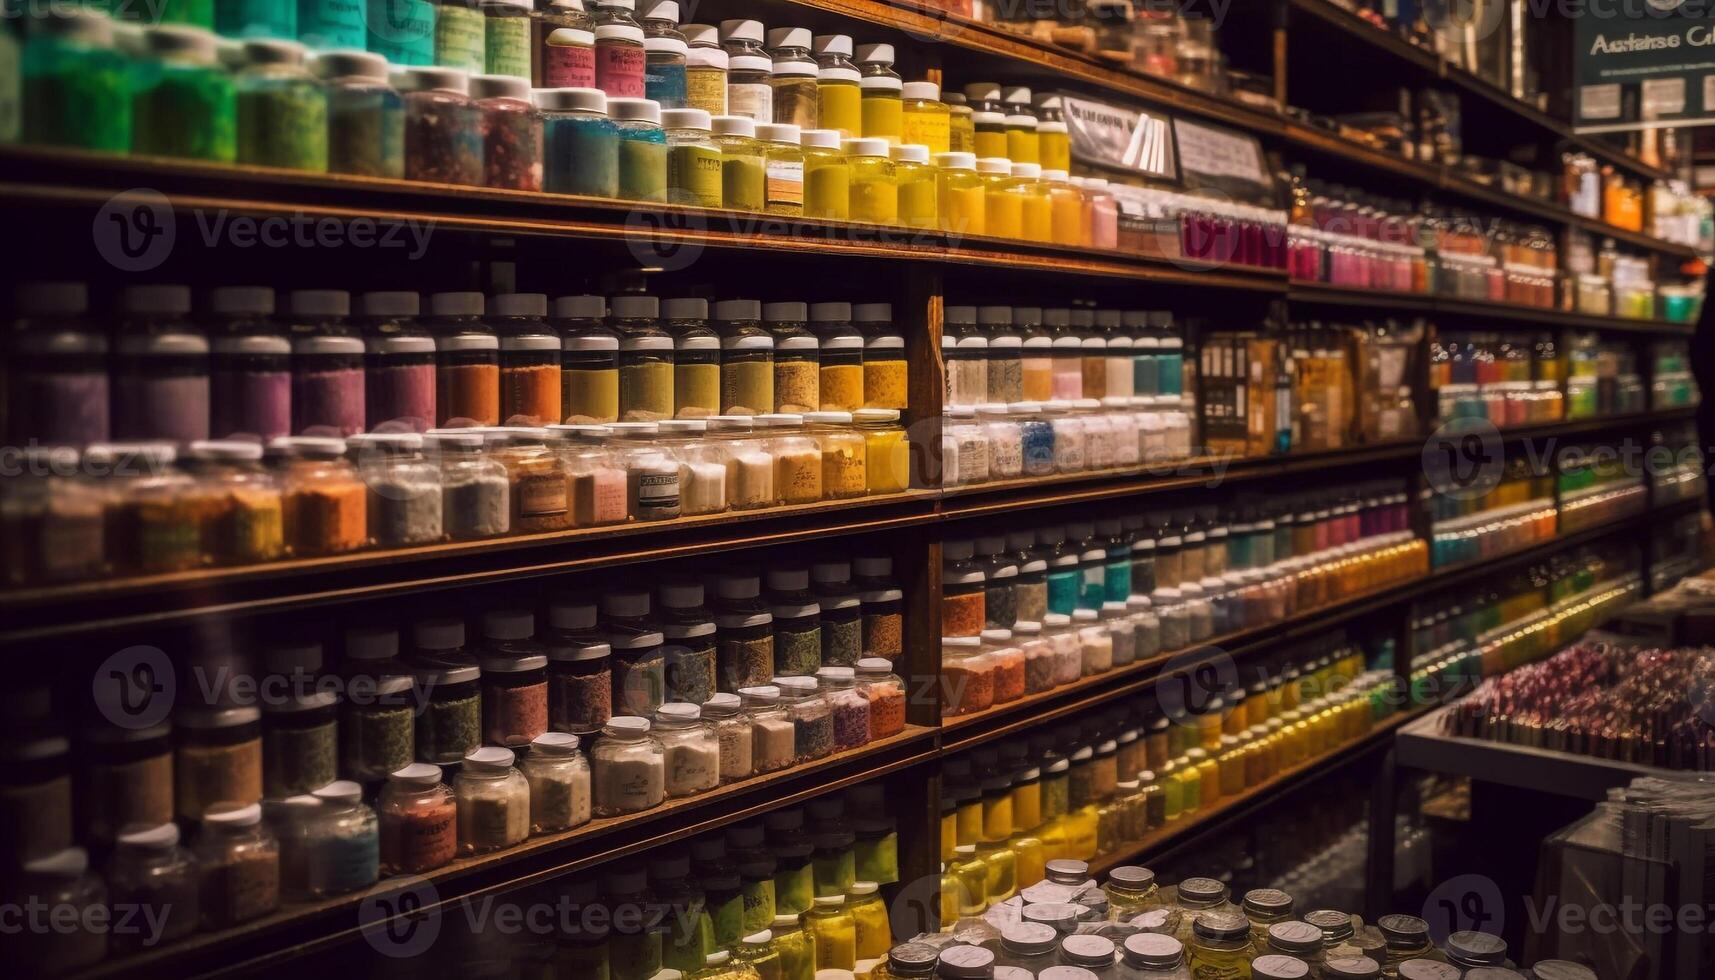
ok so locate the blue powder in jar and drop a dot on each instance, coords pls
(1037, 439)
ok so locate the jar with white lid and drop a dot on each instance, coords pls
(559, 780)
(418, 818)
(1095, 643)
(967, 459)
(731, 724)
(627, 768)
(1099, 449)
(797, 458)
(1039, 665)
(151, 870)
(239, 862)
(773, 736)
(812, 719)
(691, 753)
(848, 705)
(493, 801)
(845, 456)
(1070, 445)
(749, 70)
(1005, 435)
(1068, 652)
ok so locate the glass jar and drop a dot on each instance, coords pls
(916, 180)
(642, 148)
(812, 719)
(651, 472)
(844, 453)
(418, 818)
(475, 487)
(511, 126)
(926, 120)
(883, 111)
(282, 108)
(797, 362)
(638, 659)
(443, 126)
(450, 723)
(692, 752)
(580, 144)
(628, 768)
(1219, 940)
(185, 105)
(514, 680)
(1023, 140)
(493, 801)
(559, 781)
(60, 393)
(342, 845)
(783, 168)
(705, 70)
(300, 743)
(690, 650)
(161, 368)
(238, 861)
(749, 69)
(959, 194)
(150, 870)
(873, 182)
(797, 459)
(365, 115)
(218, 759)
(837, 94)
(850, 707)
(71, 58)
(747, 358)
(664, 52)
(620, 59)
(967, 675)
(827, 175)
(885, 691)
(841, 378)
(733, 734)
(794, 93)
(566, 45)
(693, 159)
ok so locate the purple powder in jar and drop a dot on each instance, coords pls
(401, 397)
(60, 408)
(169, 407)
(851, 722)
(251, 403)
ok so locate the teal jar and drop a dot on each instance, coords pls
(256, 18)
(461, 36)
(329, 25)
(282, 109)
(403, 31)
(76, 86)
(186, 104)
(506, 38)
(642, 149)
(580, 146)
(366, 116)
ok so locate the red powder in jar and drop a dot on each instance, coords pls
(965, 689)
(419, 838)
(886, 711)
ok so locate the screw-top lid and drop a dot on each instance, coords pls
(956, 160)
(489, 757)
(1276, 966)
(417, 774)
(685, 119)
(437, 634)
(500, 87)
(1220, 924)
(1472, 948)
(1295, 937)
(1148, 949)
(1027, 170)
(1029, 938)
(865, 147)
(233, 815)
(339, 791)
(1066, 871)
(994, 165)
(789, 37)
(921, 90)
(778, 132)
(571, 99)
(1062, 917)
(875, 53)
(518, 304)
(1267, 901)
(634, 110)
(1088, 951)
(832, 44)
(827, 139)
(1420, 969)
(734, 126)
(156, 837)
(1203, 890)
(739, 29)
(1407, 931)
(1132, 877)
(1352, 968)
(1561, 970)
(155, 299)
(965, 963)
(463, 303)
(909, 153)
(427, 78)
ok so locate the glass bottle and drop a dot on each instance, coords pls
(664, 55)
(565, 48)
(988, 120)
(917, 181)
(833, 933)
(783, 168)
(961, 123)
(1056, 145)
(959, 199)
(883, 110)
(642, 149)
(1036, 210)
(827, 175)
(692, 753)
(838, 96)
(185, 104)
(1220, 940)
(1003, 207)
(627, 768)
(749, 69)
(874, 186)
(239, 862)
(620, 58)
(926, 119)
(794, 86)
(705, 69)
(693, 159)
(744, 175)
(1023, 142)
(580, 144)
(150, 870)
(747, 358)
(282, 109)
(443, 127)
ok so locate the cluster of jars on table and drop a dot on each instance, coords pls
(786, 896)
(1026, 612)
(610, 708)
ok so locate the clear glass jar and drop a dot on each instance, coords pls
(967, 675)
(1068, 650)
(580, 144)
(773, 734)
(917, 180)
(627, 768)
(342, 843)
(874, 181)
(797, 459)
(620, 60)
(651, 471)
(883, 109)
(664, 51)
(150, 870)
(282, 108)
(724, 715)
(844, 453)
(443, 126)
(849, 705)
(511, 125)
(597, 484)
(218, 759)
(559, 781)
(1220, 939)
(493, 801)
(797, 358)
(365, 115)
(642, 148)
(705, 70)
(239, 864)
(565, 45)
(827, 175)
(747, 358)
(749, 69)
(693, 159)
(475, 488)
(783, 168)
(797, 628)
(812, 719)
(794, 81)
(404, 490)
(885, 691)
(418, 818)
(692, 751)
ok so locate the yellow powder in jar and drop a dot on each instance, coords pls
(843, 467)
(795, 386)
(798, 476)
(884, 384)
(589, 397)
(842, 387)
(889, 460)
(696, 390)
(646, 391)
(747, 387)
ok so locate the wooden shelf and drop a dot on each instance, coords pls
(1321, 294)
(1230, 807)
(306, 926)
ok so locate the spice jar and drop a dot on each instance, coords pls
(530, 369)
(840, 380)
(642, 147)
(690, 658)
(747, 358)
(732, 729)
(376, 725)
(341, 847)
(580, 144)
(963, 590)
(645, 359)
(693, 159)
(627, 768)
(749, 69)
(185, 105)
(651, 472)
(794, 872)
(967, 675)
(638, 659)
(56, 881)
(886, 693)
(692, 752)
(794, 96)
(773, 736)
(783, 163)
(150, 870)
(849, 706)
(845, 454)
(450, 722)
(218, 760)
(467, 361)
(841, 613)
(365, 114)
(705, 69)
(443, 127)
(239, 508)
(620, 59)
(514, 680)
(749, 466)
(744, 175)
(559, 780)
(797, 459)
(59, 374)
(589, 360)
(511, 125)
(493, 801)
(883, 607)
(664, 52)
(300, 743)
(418, 819)
(404, 489)
(579, 687)
(127, 778)
(475, 488)
(161, 367)
(797, 622)
(238, 862)
(565, 48)
(597, 482)
(250, 378)
(702, 467)
(812, 719)
(796, 358)
(745, 650)
(1220, 939)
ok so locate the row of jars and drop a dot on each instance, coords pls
(989, 442)
(116, 509)
(1028, 354)
(322, 365)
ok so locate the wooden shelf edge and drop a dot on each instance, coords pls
(1323, 294)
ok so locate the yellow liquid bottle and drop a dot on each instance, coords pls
(961, 124)
(1030, 859)
(927, 120)
(837, 85)
(1051, 132)
(1023, 142)
(883, 107)
(917, 186)
(971, 876)
(1068, 210)
(874, 186)
(827, 176)
(1003, 208)
(988, 120)
(833, 933)
(1002, 867)
(959, 194)
(1036, 211)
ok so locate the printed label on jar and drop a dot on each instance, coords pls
(460, 37)
(619, 69)
(506, 46)
(658, 490)
(567, 64)
(786, 182)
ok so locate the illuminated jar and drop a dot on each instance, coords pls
(988, 120)
(1051, 132)
(747, 358)
(883, 106)
(619, 54)
(783, 168)
(1023, 142)
(874, 184)
(642, 149)
(917, 185)
(796, 99)
(693, 159)
(959, 194)
(1003, 207)
(1036, 210)
(1104, 213)
(744, 182)
(926, 118)
(696, 358)
(664, 55)
(443, 127)
(1066, 210)
(796, 358)
(705, 69)
(839, 100)
(841, 377)
(589, 360)
(885, 377)
(961, 123)
(645, 359)
(827, 175)
(749, 68)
